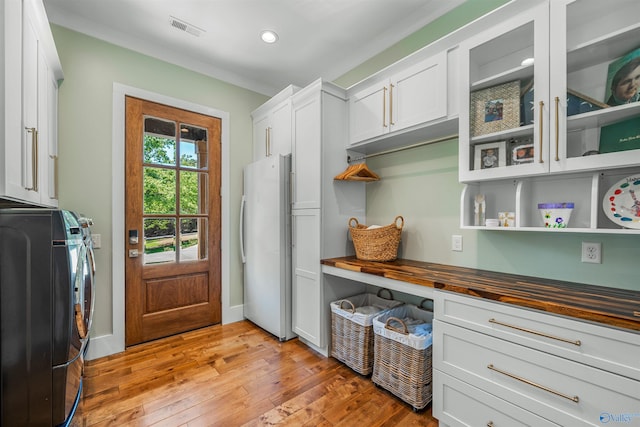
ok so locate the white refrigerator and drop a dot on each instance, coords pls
(265, 243)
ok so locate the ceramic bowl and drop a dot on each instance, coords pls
(555, 215)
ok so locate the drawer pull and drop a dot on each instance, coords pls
(490, 424)
(526, 381)
(531, 331)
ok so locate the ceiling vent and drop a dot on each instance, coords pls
(184, 26)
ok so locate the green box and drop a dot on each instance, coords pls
(621, 136)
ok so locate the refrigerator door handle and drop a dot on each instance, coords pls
(242, 254)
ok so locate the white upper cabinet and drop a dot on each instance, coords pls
(534, 124)
(272, 126)
(29, 121)
(498, 65)
(413, 97)
(584, 60)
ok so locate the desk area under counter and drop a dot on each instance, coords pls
(517, 348)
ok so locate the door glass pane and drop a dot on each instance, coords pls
(159, 240)
(193, 147)
(193, 239)
(193, 192)
(159, 141)
(159, 190)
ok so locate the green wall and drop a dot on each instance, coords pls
(85, 133)
(421, 184)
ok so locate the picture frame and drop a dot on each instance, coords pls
(495, 109)
(578, 103)
(624, 69)
(521, 151)
(620, 136)
(490, 155)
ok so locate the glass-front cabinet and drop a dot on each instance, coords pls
(551, 114)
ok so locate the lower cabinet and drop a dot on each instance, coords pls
(461, 404)
(513, 372)
(307, 287)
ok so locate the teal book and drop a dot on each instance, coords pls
(621, 136)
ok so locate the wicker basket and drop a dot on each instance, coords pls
(402, 360)
(352, 332)
(376, 244)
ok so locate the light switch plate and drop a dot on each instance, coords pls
(456, 243)
(97, 241)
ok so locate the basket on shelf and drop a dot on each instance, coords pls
(376, 244)
(402, 353)
(352, 328)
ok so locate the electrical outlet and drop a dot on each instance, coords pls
(456, 243)
(592, 252)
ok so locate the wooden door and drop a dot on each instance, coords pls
(172, 220)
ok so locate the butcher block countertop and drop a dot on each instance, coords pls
(610, 306)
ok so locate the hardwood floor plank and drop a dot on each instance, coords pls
(233, 375)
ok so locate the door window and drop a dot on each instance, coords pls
(175, 177)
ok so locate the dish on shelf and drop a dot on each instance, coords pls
(621, 202)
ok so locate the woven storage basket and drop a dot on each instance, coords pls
(376, 244)
(352, 332)
(402, 360)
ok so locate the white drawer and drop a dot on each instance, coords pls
(608, 348)
(459, 404)
(560, 390)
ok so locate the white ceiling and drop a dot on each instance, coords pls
(318, 38)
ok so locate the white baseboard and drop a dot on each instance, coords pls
(107, 345)
(233, 314)
(104, 345)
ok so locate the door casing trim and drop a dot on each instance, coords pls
(114, 343)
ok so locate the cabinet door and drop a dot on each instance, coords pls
(368, 113)
(419, 93)
(588, 133)
(500, 136)
(306, 279)
(280, 130)
(260, 137)
(307, 152)
(30, 127)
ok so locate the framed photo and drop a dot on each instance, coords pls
(521, 151)
(491, 155)
(495, 109)
(620, 136)
(622, 80)
(578, 103)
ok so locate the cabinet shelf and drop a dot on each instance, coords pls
(521, 196)
(522, 72)
(599, 118)
(604, 48)
(505, 134)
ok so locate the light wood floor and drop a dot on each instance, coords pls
(234, 375)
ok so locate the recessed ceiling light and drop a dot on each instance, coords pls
(269, 36)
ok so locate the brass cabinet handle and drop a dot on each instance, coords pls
(557, 131)
(531, 331)
(384, 107)
(531, 383)
(541, 128)
(490, 424)
(391, 105)
(34, 158)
